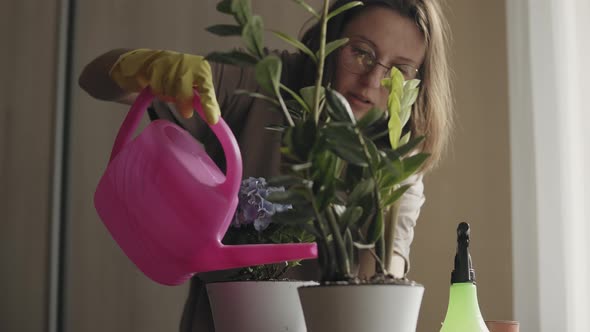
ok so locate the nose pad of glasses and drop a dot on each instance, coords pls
(374, 76)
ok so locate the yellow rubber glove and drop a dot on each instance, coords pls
(171, 76)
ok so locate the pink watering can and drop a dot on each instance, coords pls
(168, 205)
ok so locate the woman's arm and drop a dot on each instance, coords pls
(95, 79)
(409, 206)
(172, 77)
(408, 212)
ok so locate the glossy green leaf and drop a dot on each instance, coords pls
(362, 189)
(268, 74)
(394, 99)
(395, 129)
(252, 36)
(378, 135)
(225, 30)
(338, 107)
(237, 58)
(370, 118)
(340, 136)
(295, 197)
(308, 8)
(295, 96)
(375, 230)
(404, 115)
(299, 45)
(327, 166)
(257, 95)
(286, 181)
(352, 156)
(242, 10)
(409, 98)
(224, 6)
(295, 109)
(332, 46)
(405, 139)
(303, 138)
(411, 84)
(391, 198)
(394, 84)
(395, 81)
(298, 215)
(308, 94)
(301, 167)
(413, 163)
(344, 8)
(403, 150)
(311, 231)
(351, 216)
(325, 195)
(390, 178)
(374, 154)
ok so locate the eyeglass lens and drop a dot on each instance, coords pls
(360, 58)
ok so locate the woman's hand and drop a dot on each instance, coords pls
(171, 76)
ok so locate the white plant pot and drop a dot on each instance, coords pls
(261, 306)
(366, 308)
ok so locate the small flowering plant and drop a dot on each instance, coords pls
(252, 223)
(253, 207)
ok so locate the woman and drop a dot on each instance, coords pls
(407, 34)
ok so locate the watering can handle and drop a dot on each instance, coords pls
(233, 157)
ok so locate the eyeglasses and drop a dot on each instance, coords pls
(358, 57)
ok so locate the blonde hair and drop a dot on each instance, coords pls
(432, 114)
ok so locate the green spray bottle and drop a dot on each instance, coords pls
(463, 314)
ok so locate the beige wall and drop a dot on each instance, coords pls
(27, 68)
(472, 184)
(104, 291)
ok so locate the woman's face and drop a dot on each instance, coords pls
(382, 37)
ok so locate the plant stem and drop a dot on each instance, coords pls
(317, 222)
(389, 235)
(341, 252)
(318, 217)
(380, 246)
(321, 61)
(371, 251)
(284, 108)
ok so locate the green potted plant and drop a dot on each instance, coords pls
(342, 177)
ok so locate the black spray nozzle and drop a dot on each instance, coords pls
(463, 271)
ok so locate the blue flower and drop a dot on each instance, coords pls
(253, 208)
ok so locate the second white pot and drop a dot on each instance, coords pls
(366, 308)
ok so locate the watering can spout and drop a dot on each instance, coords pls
(236, 256)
